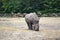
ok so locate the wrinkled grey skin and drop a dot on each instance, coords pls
(32, 21)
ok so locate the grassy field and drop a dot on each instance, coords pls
(16, 29)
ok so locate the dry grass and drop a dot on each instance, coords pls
(43, 34)
(50, 20)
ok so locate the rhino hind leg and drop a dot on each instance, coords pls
(33, 28)
(29, 25)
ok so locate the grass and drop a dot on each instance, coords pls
(47, 33)
(44, 20)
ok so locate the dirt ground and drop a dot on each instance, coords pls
(16, 29)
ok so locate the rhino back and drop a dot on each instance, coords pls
(31, 17)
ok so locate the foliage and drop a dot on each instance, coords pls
(27, 6)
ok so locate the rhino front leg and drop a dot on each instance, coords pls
(36, 28)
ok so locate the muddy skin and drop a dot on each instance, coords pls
(32, 21)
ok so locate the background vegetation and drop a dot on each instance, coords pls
(42, 7)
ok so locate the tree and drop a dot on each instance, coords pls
(27, 6)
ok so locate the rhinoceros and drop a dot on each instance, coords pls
(32, 21)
